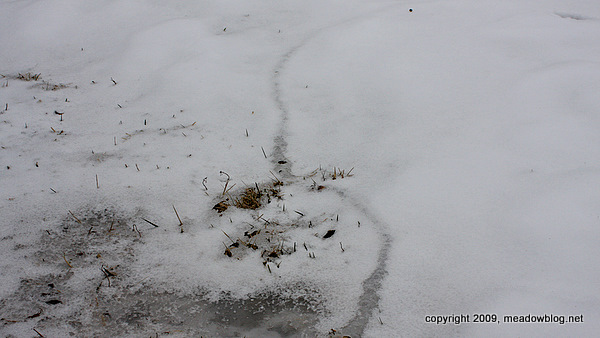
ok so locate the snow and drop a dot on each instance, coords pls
(468, 130)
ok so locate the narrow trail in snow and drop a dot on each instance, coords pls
(368, 301)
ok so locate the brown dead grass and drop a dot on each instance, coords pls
(250, 199)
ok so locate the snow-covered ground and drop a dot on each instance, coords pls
(454, 148)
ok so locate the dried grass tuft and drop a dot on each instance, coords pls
(250, 199)
(28, 76)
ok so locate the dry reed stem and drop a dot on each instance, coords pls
(176, 213)
(66, 261)
(77, 219)
(147, 221)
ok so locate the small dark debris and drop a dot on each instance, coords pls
(54, 302)
(107, 272)
(329, 233)
(235, 245)
(282, 162)
(251, 234)
(35, 315)
(221, 206)
(228, 252)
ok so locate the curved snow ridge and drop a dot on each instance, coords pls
(369, 299)
(279, 157)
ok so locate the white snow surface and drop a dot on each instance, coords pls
(472, 127)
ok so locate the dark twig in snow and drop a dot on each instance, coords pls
(150, 222)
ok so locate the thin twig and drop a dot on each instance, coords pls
(224, 173)
(226, 182)
(226, 192)
(66, 261)
(176, 213)
(77, 219)
(135, 228)
(228, 237)
(277, 179)
(150, 222)
(225, 187)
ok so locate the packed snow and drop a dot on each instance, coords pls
(293, 168)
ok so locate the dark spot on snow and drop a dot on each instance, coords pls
(54, 302)
(282, 162)
(35, 315)
(329, 234)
